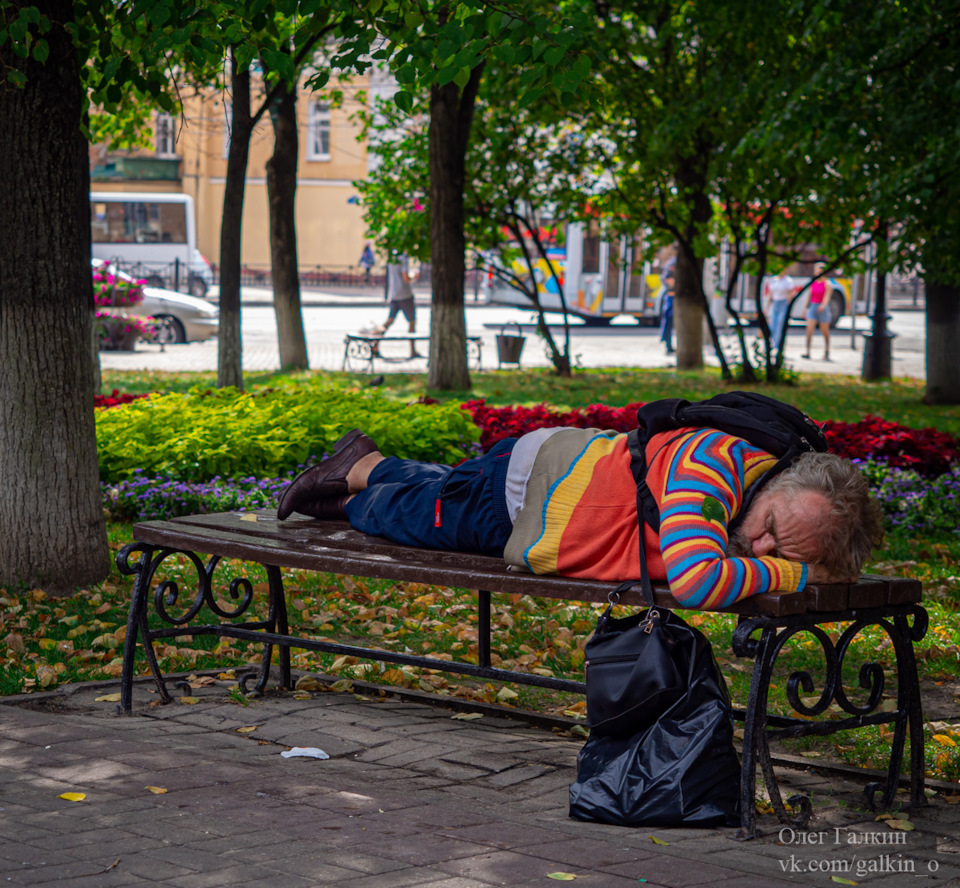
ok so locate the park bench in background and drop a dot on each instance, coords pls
(765, 623)
(365, 349)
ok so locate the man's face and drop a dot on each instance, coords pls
(782, 525)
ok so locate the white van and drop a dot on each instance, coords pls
(150, 236)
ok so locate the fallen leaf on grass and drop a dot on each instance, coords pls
(952, 799)
(72, 796)
(561, 877)
(657, 841)
(107, 698)
(188, 701)
(156, 790)
(905, 825)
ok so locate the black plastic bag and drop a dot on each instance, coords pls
(660, 751)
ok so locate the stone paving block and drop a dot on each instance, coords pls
(24, 856)
(427, 850)
(289, 881)
(584, 851)
(517, 774)
(401, 752)
(739, 880)
(309, 859)
(498, 834)
(672, 872)
(76, 869)
(412, 877)
(226, 877)
(509, 868)
(448, 771)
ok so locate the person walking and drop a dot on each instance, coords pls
(367, 261)
(666, 309)
(400, 297)
(776, 294)
(818, 312)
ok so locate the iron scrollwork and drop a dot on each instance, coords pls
(359, 350)
(177, 617)
(760, 728)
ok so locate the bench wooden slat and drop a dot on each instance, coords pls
(335, 547)
(900, 590)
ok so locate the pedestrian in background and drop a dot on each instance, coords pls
(776, 295)
(666, 309)
(400, 296)
(367, 261)
(818, 312)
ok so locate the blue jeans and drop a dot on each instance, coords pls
(778, 320)
(462, 509)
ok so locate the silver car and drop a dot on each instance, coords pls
(180, 318)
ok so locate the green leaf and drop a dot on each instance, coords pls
(712, 510)
(554, 55)
(41, 51)
(407, 74)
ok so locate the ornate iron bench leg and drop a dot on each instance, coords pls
(760, 727)
(137, 622)
(909, 715)
(756, 747)
(276, 623)
(483, 629)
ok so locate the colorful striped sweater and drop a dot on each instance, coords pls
(579, 516)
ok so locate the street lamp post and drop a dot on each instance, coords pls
(878, 346)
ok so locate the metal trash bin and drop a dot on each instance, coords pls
(509, 347)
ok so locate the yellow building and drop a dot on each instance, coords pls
(189, 155)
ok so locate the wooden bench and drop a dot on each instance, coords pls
(766, 622)
(364, 349)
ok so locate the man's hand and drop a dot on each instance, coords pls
(817, 573)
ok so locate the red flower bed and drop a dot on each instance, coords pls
(928, 451)
(497, 423)
(114, 399)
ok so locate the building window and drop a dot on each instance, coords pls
(165, 135)
(318, 131)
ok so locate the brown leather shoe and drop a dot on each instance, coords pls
(327, 479)
(329, 509)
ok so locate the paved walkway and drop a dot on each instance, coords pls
(410, 796)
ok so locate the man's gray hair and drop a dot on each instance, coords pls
(856, 525)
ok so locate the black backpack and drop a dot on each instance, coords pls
(779, 429)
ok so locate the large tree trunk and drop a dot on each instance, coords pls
(230, 345)
(943, 334)
(281, 193)
(688, 311)
(451, 114)
(52, 532)
(688, 302)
